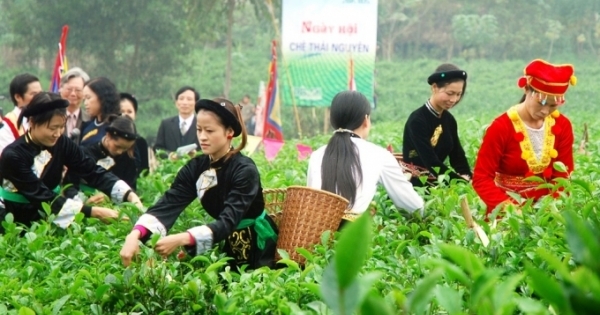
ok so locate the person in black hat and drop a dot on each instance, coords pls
(129, 107)
(115, 153)
(31, 168)
(431, 132)
(228, 186)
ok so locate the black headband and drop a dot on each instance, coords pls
(42, 107)
(126, 135)
(443, 76)
(227, 117)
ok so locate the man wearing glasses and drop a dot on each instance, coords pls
(71, 89)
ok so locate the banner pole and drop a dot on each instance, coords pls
(287, 72)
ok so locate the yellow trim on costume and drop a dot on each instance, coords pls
(551, 64)
(90, 134)
(436, 135)
(527, 152)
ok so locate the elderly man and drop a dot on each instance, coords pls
(71, 89)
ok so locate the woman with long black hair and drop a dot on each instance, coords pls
(351, 166)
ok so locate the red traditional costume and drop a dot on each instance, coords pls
(512, 151)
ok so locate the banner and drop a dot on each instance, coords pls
(60, 64)
(272, 128)
(321, 40)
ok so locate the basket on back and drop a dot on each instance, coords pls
(307, 213)
(274, 199)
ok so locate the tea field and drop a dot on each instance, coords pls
(543, 261)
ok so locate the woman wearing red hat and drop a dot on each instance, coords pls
(528, 139)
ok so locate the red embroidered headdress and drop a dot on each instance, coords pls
(544, 77)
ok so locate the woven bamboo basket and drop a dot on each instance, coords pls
(274, 199)
(307, 213)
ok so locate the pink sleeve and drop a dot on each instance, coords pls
(192, 239)
(142, 229)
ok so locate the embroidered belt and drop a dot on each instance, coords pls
(514, 183)
(17, 197)
(263, 228)
(351, 216)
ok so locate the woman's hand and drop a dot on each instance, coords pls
(173, 156)
(130, 248)
(95, 199)
(167, 245)
(106, 215)
(133, 198)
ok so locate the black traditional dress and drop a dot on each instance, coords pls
(142, 162)
(231, 193)
(31, 174)
(122, 166)
(430, 138)
(93, 131)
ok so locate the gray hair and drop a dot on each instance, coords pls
(75, 72)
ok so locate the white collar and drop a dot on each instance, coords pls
(188, 121)
(76, 112)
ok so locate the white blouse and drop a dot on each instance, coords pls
(378, 166)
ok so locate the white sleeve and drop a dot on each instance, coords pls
(120, 188)
(6, 137)
(67, 213)
(313, 175)
(399, 189)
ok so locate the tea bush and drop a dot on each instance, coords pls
(543, 261)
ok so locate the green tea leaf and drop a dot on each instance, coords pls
(305, 253)
(560, 166)
(58, 304)
(554, 262)
(215, 266)
(547, 288)
(531, 306)
(423, 293)
(483, 286)
(101, 290)
(26, 311)
(449, 299)
(463, 258)
(583, 241)
(352, 248)
(375, 304)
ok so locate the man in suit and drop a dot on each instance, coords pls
(179, 130)
(71, 89)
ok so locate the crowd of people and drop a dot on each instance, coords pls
(49, 141)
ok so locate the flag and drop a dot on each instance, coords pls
(60, 65)
(252, 144)
(272, 128)
(272, 147)
(260, 109)
(351, 81)
(272, 135)
(303, 151)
